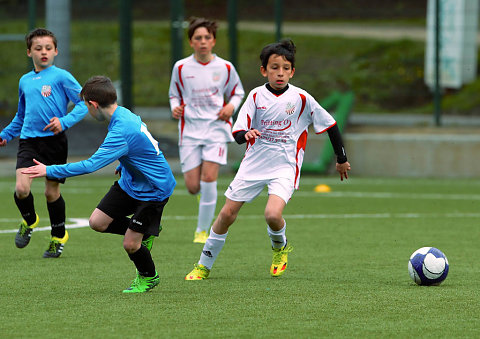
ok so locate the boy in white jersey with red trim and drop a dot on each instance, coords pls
(205, 91)
(274, 123)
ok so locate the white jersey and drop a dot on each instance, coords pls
(283, 122)
(203, 88)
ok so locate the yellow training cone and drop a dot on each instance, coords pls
(322, 188)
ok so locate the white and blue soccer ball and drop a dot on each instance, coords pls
(428, 266)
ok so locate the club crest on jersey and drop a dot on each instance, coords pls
(46, 90)
(216, 76)
(290, 109)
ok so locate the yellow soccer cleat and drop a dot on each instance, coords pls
(55, 248)
(280, 260)
(22, 238)
(200, 237)
(199, 272)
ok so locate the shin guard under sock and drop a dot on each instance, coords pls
(56, 212)
(143, 262)
(26, 208)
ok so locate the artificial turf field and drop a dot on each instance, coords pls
(347, 275)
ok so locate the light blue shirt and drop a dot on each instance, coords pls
(145, 173)
(42, 96)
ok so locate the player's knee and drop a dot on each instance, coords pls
(273, 217)
(209, 177)
(22, 191)
(96, 225)
(193, 189)
(51, 195)
(130, 246)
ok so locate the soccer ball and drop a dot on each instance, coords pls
(428, 266)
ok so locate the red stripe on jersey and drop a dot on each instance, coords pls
(326, 128)
(228, 76)
(304, 101)
(179, 93)
(233, 91)
(182, 126)
(249, 125)
(180, 74)
(254, 98)
(301, 144)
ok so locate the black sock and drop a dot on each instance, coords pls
(143, 262)
(118, 226)
(26, 208)
(56, 211)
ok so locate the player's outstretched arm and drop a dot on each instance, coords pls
(343, 169)
(37, 171)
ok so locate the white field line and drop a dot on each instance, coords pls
(82, 222)
(390, 195)
(374, 195)
(344, 194)
(71, 223)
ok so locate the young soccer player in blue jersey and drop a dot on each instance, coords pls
(146, 180)
(41, 120)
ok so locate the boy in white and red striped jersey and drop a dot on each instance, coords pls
(274, 123)
(205, 91)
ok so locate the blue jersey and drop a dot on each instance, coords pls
(145, 174)
(42, 96)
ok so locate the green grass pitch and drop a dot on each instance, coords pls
(347, 276)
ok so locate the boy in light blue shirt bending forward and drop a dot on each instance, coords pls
(146, 180)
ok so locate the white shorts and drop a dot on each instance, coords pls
(243, 190)
(192, 156)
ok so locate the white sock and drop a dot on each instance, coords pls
(206, 207)
(212, 248)
(278, 238)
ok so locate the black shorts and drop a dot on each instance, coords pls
(51, 150)
(147, 215)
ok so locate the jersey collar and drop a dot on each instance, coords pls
(276, 92)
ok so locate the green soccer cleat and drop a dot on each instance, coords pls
(280, 260)
(148, 243)
(24, 234)
(200, 237)
(199, 272)
(143, 284)
(56, 246)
